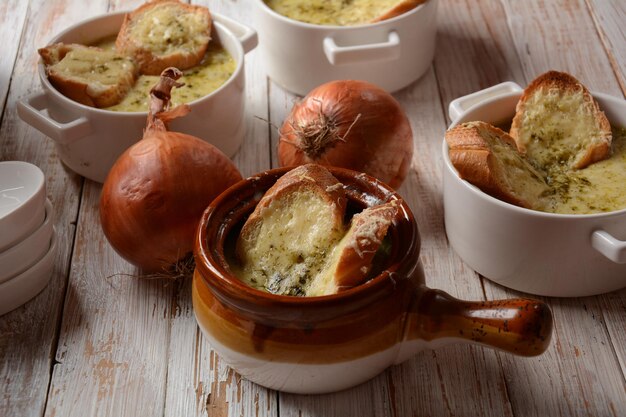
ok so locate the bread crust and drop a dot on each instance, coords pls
(364, 238)
(81, 91)
(151, 63)
(400, 8)
(565, 84)
(474, 159)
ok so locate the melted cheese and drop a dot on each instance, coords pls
(168, 28)
(96, 67)
(332, 12)
(216, 68)
(558, 127)
(601, 187)
(291, 246)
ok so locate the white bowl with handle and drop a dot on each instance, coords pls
(391, 54)
(89, 140)
(541, 253)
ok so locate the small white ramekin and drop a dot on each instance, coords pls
(89, 140)
(391, 54)
(541, 253)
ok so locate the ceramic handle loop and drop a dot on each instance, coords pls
(519, 326)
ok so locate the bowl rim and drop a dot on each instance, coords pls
(49, 88)
(227, 282)
(37, 190)
(508, 206)
(339, 28)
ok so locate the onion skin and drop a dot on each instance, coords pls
(156, 192)
(349, 124)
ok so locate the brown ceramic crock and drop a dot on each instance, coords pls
(328, 343)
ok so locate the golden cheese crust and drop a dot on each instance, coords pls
(165, 33)
(557, 120)
(295, 242)
(89, 75)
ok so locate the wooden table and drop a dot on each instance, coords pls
(98, 342)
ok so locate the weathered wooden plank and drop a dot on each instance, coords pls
(460, 380)
(609, 19)
(199, 383)
(580, 374)
(12, 20)
(113, 345)
(28, 335)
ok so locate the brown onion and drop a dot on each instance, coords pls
(349, 124)
(157, 190)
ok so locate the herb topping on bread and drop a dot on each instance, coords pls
(557, 121)
(89, 75)
(296, 243)
(165, 33)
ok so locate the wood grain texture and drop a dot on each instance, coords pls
(199, 383)
(28, 335)
(99, 342)
(12, 20)
(452, 368)
(577, 376)
(609, 18)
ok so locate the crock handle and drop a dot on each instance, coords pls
(33, 110)
(609, 246)
(340, 55)
(246, 35)
(520, 326)
(460, 105)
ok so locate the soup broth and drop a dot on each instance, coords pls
(216, 68)
(332, 12)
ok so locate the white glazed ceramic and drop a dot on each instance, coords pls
(539, 253)
(391, 54)
(28, 251)
(21, 288)
(89, 140)
(22, 201)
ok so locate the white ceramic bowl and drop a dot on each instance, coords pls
(28, 251)
(391, 54)
(22, 201)
(89, 140)
(21, 288)
(541, 253)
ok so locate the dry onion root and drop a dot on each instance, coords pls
(157, 190)
(349, 124)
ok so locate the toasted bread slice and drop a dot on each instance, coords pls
(89, 75)
(487, 157)
(401, 7)
(557, 121)
(353, 258)
(165, 33)
(287, 238)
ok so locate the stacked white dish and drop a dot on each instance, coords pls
(27, 237)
